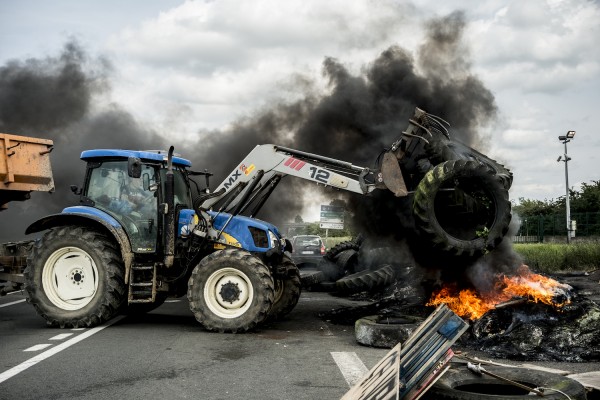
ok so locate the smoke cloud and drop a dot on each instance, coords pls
(359, 116)
(53, 98)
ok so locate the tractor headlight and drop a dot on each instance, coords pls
(273, 241)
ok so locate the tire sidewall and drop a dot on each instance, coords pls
(96, 311)
(459, 375)
(469, 170)
(262, 290)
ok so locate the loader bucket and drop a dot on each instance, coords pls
(392, 175)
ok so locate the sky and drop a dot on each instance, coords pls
(188, 69)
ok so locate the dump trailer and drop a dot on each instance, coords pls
(145, 229)
(24, 167)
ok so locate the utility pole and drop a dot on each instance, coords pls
(566, 139)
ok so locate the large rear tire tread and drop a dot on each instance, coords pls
(443, 150)
(430, 228)
(110, 294)
(340, 247)
(367, 280)
(248, 265)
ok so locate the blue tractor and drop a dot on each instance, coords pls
(138, 236)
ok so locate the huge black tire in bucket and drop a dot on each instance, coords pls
(459, 383)
(461, 207)
(442, 150)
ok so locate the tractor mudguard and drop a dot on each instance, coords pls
(89, 216)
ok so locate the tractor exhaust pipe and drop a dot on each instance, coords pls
(170, 215)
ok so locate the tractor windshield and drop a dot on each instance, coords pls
(131, 201)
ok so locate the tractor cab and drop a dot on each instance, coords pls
(130, 187)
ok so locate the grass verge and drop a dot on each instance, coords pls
(549, 257)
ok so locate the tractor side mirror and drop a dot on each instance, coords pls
(134, 167)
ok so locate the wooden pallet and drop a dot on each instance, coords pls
(409, 369)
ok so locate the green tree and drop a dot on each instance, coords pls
(588, 199)
(528, 207)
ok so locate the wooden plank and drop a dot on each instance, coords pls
(587, 379)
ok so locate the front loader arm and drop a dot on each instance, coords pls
(272, 159)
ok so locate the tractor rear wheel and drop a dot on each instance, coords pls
(230, 291)
(75, 277)
(462, 208)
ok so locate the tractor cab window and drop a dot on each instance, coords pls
(182, 189)
(131, 201)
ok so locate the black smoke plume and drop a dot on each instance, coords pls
(53, 98)
(359, 117)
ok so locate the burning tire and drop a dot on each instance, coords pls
(230, 291)
(287, 291)
(75, 277)
(458, 383)
(462, 208)
(366, 280)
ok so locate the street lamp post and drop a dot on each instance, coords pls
(566, 139)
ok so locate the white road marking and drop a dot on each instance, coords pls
(54, 350)
(350, 365)
(61, 336)
(10, 304)
(38, 347)
(172, 301)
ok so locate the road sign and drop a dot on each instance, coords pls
(331, 225)
(332, 217)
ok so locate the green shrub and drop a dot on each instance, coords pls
(550, 257)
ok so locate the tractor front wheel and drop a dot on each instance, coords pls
(230, 291)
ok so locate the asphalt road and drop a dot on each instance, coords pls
(167, 355)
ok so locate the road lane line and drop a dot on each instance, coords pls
(54, 350)
(350, 365)
(61, 336)
(10, 304)
(38, 347)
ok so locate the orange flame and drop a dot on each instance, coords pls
(472, 305)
